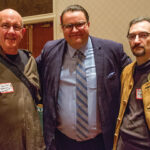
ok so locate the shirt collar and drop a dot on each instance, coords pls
(84, 49)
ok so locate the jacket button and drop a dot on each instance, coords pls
(148, 108)
(124, 102)
(118, 119)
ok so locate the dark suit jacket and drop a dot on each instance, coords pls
(110, 59)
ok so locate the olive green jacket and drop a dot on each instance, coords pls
(20, 127)
(126, 88)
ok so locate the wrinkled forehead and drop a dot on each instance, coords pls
(143, 26)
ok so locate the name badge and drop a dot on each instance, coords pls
(139, 94)
(6, 88)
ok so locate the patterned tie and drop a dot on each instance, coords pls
(81, 98)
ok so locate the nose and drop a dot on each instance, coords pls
(74, 29)
(11, 29)
(137, 39)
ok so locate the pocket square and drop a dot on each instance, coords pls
(112, 75)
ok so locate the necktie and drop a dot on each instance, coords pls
(81, 98)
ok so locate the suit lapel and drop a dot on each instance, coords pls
(59, 61)
(99, 59)
(99, 62)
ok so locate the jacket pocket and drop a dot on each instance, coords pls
(111, 76)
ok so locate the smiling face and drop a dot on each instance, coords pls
(76, 37)
(11, 31)
(140, 46)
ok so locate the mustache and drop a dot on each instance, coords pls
(137, 46)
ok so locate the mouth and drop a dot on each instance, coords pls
(75, 35)
(10, 38)
(137, 47)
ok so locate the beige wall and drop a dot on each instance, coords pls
(109, 18)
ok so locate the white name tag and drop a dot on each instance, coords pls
(139, 94)
(6, 88)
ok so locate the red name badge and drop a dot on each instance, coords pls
(139, 94)
(6, 88)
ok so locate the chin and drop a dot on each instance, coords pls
(139, 54)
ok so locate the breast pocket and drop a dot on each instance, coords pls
(113, 82)
(111, 76)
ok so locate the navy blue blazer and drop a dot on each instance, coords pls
(110, 60)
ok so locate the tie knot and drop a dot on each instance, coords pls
(79, 54)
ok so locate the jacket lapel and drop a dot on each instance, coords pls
(59, 59)
(99, 62)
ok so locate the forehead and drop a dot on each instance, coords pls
(10, 17)
(143, 26)
(75, 15)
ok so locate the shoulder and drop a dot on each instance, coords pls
(128, 71)
(129, 68)
(24, 51)
(51, 50)
(104, 42)
(111, 51)
(52, 47)
(24, 54)
(107, 46)
(54, 43)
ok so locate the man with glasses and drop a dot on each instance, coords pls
(80, 77)
(133, 124)
(20, 127)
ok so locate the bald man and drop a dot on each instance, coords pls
(20, 127)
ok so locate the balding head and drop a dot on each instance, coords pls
(11, 31)
(11, 12)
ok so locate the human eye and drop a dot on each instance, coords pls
(5, 26)
(143, 35)
(80, 24)
(17, 27)
(131, 36)
(68, 26)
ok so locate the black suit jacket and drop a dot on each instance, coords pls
(110, 59)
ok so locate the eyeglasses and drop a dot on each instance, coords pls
(141, 36)
(7, 26)
(79, 25)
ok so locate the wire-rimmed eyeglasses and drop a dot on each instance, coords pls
(141, 36)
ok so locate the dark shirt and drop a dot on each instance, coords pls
(20, 60)
(134, 133)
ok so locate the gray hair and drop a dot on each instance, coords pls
(136, 20)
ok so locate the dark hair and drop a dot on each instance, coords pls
(136, 20)
(73, 8)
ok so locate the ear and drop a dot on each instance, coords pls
(61, 23)
(88, 24)
(23, 31)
